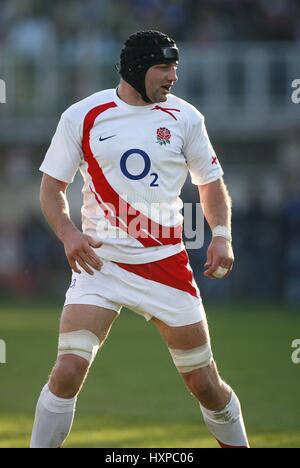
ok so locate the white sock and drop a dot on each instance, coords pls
(227, 425)
(53, 420)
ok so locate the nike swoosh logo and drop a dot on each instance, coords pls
(106, 138)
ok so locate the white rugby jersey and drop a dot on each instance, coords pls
(134, 161)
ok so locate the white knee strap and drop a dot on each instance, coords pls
(187, 360)
(82, 343)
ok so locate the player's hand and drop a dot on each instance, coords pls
(79, 251)
(219, 254)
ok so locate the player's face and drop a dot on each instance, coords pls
(159, 80)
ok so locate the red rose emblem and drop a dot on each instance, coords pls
(163, 135)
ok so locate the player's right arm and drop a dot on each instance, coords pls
(78, 246)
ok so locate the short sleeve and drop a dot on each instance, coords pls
(64, 155)
(201, 158)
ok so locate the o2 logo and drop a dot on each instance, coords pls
(144, 172)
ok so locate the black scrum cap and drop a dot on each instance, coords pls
(142, 50)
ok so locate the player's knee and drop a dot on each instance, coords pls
(198, 370)
(76, 352)
(200, 384)
(68, 375)
(206, 385)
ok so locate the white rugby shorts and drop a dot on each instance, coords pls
(164, 289)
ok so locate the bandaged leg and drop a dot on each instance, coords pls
(187, 360)
(82, 343)
(54, 415)
(227, 425)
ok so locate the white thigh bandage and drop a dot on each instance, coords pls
(187, 360)
(83, 343)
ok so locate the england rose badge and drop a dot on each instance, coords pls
(163, 136)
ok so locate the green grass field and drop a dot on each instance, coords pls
(135, 398)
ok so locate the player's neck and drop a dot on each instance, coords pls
(129, 95)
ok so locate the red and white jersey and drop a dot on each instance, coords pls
(134, 161)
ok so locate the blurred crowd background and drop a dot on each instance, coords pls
(26, 25)
(238, 61)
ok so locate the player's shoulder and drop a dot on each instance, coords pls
(77, 111)
(188, 112)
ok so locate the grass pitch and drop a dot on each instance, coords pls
(134, 396)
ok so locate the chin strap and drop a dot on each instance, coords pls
(145, 97)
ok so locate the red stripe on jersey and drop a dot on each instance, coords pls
(166, 110)
(174, 271)
(146, 231)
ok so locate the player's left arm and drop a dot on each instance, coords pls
(216, 205)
